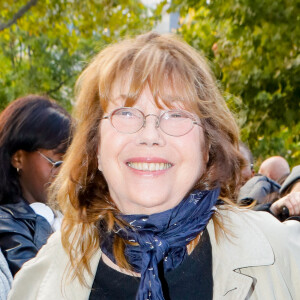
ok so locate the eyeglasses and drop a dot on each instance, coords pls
(172, 122)
(55, 164)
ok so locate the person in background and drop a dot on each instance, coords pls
(35, 133)
(155, 148)
(275, 168)
(289, 197)
(281, 201)
(260, 189)
(255, 187)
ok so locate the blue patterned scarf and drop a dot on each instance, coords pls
(162, 237)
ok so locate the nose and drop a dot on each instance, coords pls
(150, 134)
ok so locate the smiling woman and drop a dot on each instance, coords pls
(146, 169)
(147, 190)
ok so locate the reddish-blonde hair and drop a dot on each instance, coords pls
(175, 73)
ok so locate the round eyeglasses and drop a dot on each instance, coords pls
(172, 122)
(55, 164)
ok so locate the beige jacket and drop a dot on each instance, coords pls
(260, 260)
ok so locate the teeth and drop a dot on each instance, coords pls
(149, 166)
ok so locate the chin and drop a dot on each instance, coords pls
(151, 204)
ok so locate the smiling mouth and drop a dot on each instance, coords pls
(149, 166)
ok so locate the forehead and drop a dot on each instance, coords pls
(125, 92)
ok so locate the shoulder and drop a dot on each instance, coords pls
(17, 210)
(260, 232)
(45, 257)
(260, 221)
(46, 266)
(5, 213)
(12, 221)
(45, 276)
(257, 245)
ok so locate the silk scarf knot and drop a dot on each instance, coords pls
(161, 238)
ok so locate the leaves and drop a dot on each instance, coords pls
(254, 48)
(50, 44)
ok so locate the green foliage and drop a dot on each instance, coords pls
(50, 44)
(254, 48)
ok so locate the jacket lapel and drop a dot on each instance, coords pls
(245, 247)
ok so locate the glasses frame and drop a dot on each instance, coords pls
(190, 116)
(55, 164)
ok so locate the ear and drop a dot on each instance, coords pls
(17, 159)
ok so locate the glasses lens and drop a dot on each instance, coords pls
(127, 120)
(176, 122)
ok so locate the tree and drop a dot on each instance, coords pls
(18, 14)
(254, 47)
(43, 49)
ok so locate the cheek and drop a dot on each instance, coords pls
(99, 160)
(39, 178)
(109, 148)
(46, 175)
(196, 146)
(101, 153)
(197, 155)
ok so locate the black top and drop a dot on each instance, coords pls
(22, 233)
(191, 280)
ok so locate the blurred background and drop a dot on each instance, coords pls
(252, 45)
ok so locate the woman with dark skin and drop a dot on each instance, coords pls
(34, 135)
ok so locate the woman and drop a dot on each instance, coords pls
(154, 150)
(34, 135)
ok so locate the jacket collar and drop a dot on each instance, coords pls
(245, 247)
(20, 209)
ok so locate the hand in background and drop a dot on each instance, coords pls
(291, 201)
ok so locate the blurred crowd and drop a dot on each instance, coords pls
(274, 188)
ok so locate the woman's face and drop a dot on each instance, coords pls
(36, 173)
(121, 156)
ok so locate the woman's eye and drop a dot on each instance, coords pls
(176, 115)
(126, 113)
